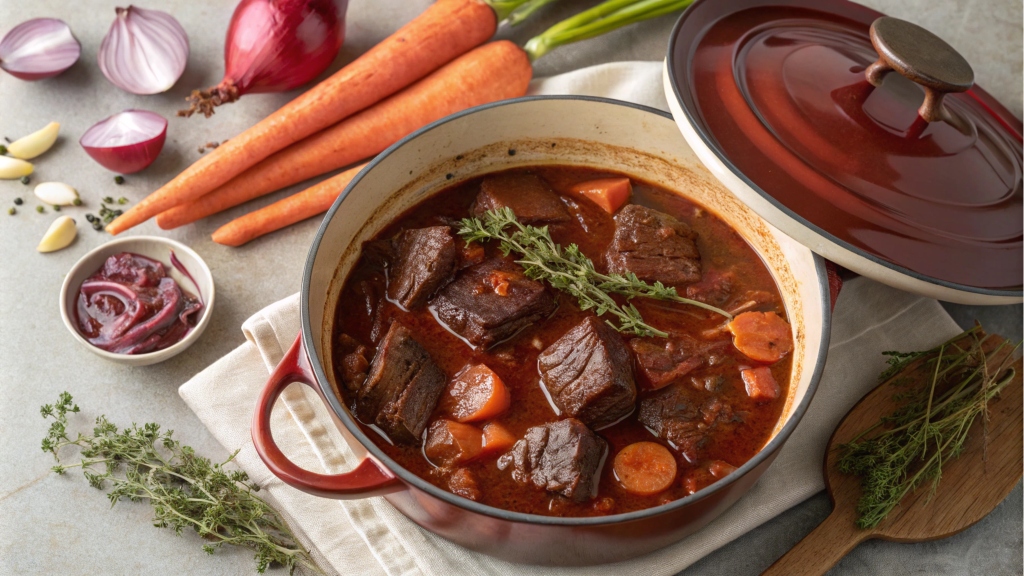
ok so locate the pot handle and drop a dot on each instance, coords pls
(921, 57)
(369, 478)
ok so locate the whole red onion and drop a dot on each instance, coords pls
(273, 46)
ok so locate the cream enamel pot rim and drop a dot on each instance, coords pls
(624, 137)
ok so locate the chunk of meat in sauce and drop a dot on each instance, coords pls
(678, 415)
(528, 195)
(354, 363)
(424, 260)
(588, 374)
(714, 288)
(663, 361)
(451, 443)
(490, 302)
(654, 246)
(706, 475)
(402, 387)
(463, 483)
(563, 457)
(760, 384)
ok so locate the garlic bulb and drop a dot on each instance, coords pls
(144, 52)
(60, 234)
(28, 147)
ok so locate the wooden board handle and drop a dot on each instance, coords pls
(821, 549)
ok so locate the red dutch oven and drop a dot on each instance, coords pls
(608, 134)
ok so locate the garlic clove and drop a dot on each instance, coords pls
(12, 168)
(56, 193)
(28, 147)
(60, 234)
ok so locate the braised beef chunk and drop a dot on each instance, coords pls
(424, 260)
(680, 415)
(715, 288)
(666, 360)
(564, 457)
(654, 246)
(490, 302)
(527, 195)
(353, 362)
(588, 374)
(402, 387)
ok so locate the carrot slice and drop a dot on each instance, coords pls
(761, 336)
(476, 393)
(442, 32)
(608, 193)
(645, 468)
(497, 439)
(760, 383)
(449, 443)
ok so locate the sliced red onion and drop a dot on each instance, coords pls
(144, 52)
(39, 48)
(127, 142)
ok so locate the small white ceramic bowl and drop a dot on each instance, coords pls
(158, 249)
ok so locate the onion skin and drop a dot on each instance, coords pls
(127, 158)
(60, 52)
(274, 46)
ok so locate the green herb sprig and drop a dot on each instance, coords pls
(185, 489)
(568, 270)
(907, 448)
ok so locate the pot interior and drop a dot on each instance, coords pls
(607, 134)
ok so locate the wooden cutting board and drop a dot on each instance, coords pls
(971, 486)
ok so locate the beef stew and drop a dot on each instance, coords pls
(580, 392)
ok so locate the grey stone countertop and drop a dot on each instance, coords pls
(59, 525)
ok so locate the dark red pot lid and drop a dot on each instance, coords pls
(777, 89)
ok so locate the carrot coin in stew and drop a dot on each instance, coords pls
(563, 341)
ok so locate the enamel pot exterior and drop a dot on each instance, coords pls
(608, 134)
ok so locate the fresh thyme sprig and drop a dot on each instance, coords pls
(908, 447)
(570, 271)
(185, 489)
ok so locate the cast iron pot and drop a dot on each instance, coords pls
(600, 133)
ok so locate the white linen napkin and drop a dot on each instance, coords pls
(370, 537)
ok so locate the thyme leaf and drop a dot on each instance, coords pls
(144, 463)
(569, 270)
(907, 448)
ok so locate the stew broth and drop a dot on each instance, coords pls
(732, 427)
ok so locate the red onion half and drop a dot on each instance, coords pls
(127, 142)
(273, 46)
(144, 52)
(39, 48)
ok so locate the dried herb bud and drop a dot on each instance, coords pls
(18, 201)
(12, 211)
(97, 226)
(3, 149)
(118, 180)
(25, 180)
(77, 202)
(56, 208)
(108, 200)
(40, 209)
(122, 200)
(90, 218)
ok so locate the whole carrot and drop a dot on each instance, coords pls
(295, 208)
(442, 32)
(494, 71)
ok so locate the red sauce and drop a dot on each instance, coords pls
(362, 315)
(131, 306)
